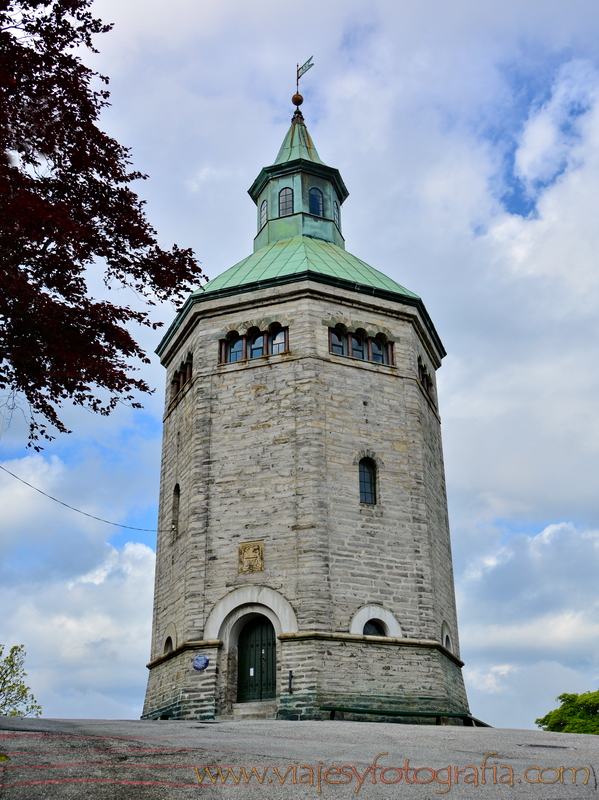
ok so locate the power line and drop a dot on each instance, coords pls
(78, 510)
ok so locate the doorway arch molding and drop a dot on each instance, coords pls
(248, 599)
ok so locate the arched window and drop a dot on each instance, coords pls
(337, 343)
(263, 213)
(374, 627)
(316, 202)
(285, 202)
(336, 214)
(168, 645)
(235, 349)
(425, 379)
(379, 351)
(357, 346)
(277, 342)
(258, 346)
(367, 471)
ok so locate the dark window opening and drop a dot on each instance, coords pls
(367, 472)
(263, 213)
(258, 346)
(316, 202)
(175, 510)
(254, 345)
(374, 628)
(181, 376)
(378, 351)
(285, 202)
(336, 213)
(337, 343)
(357, 346)
(278, 343)
(168, 645)
(366, 348)
(425, 380)
(235, 349)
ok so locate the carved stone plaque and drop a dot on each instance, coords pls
(251, 557)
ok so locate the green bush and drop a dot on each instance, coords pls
(578, 713)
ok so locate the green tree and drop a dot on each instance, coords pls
(578, 713)
(16, 699)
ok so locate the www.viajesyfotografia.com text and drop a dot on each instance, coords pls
(490, 771)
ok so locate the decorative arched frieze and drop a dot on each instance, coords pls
(348, 325)
(259, 323)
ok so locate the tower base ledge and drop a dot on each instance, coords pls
(396, 641)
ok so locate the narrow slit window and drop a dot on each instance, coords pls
(263, 213)
(367, 472)
(336, 213)
(285, 202)
(175, 510)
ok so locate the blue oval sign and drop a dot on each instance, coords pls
(200, 663)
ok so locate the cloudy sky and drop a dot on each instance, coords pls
(468, 136)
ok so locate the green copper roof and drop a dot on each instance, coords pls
(298, 143)
(304, 244)
(300, 255)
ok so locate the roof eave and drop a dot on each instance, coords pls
(299, 165)
(330, 280)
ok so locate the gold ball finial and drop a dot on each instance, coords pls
(297, 100)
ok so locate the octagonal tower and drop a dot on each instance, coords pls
(304, 557)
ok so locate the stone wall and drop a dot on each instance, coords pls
(267, 450)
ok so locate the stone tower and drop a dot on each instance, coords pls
(303, 557)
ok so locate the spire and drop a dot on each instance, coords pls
(298, 143)
(298, 194)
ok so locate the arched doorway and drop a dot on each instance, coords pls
(256, 661)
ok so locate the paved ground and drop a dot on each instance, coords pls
(51, 758)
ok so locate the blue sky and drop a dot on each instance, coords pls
(468, 136)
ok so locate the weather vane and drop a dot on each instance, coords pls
(297, 99)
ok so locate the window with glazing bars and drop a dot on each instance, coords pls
(285, 202)
(367, 471)
(316, 202)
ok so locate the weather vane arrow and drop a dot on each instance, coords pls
(303, 69)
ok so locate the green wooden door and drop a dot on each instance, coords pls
(256, 664)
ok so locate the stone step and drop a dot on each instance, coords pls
(261, 709)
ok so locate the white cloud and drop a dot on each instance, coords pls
(419, 105)
(87, 639)
(552, 131)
